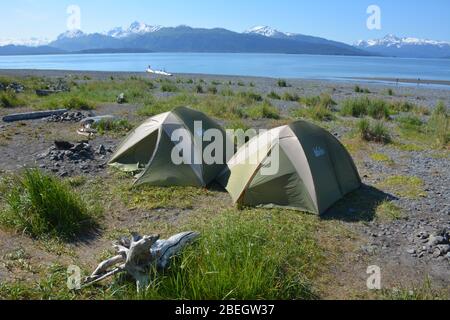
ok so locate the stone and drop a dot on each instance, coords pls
(411, 251)
(101, 150)
(435, 240)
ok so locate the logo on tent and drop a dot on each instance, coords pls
(319, 152)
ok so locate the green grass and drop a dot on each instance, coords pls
(169, 87)
(387, 211)
(212, 90)
(9, 99)
(364, 106)
(439, 125)
(377, 132)
(379, 157)
(263, 111)
(249, 95)
(319, 108)
(116, 127)
(358, 89)
(41, 205)
(421, 292)
(404, 186)
(249, 254)
(288, 96)
(199, 89)
(274, 95)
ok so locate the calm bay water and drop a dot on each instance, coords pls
(265, 65)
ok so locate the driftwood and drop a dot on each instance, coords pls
(139, 255)
(33, 115)
(45, 93)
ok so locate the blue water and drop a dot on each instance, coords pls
(265, 65)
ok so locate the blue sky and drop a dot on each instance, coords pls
(343, 20)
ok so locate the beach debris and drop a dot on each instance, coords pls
(69, 116)
(33, 115)
(138, 255)
(45, 93)
(87, 124)
(121, 98)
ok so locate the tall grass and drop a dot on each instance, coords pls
(319, 108)
(439, 126)
(244, 255)
(9, 99)
(263, 111)
(363, 106)
(41, 205)
(377, 132)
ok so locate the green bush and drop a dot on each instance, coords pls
(410, 122)
(282, 83)
(41, 205)
(199, 89)
(377, 132)
(274, 95)
(363, 106)
(9, 99)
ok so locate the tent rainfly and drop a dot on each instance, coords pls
(148, 149)
(299, 166)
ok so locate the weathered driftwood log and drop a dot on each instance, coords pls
(138, 255)
(33, 115)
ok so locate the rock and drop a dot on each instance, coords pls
(436, 240)
(444, 248)
(101, 150)
(63, 145)
(121, 98)
(411, 251)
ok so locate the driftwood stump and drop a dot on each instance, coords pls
(138, 255)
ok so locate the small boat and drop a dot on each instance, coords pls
(158, 72)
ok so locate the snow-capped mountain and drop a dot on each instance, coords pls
(32, 42)
(71, 34)
(136, 28)
(268, 32)
(392, 45)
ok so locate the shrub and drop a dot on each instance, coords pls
(274, 95)
(358, 89)
(402, 106)
(378, 109)
(376, 133)
(199, 89)
(390, 92)
(241, 84)
(41, 205)
(282, 83)
(355, 107)
(287, 96)
(9, 99)
(212, 90)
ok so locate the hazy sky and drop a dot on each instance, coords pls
(342, 20)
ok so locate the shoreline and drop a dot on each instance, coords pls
(105, 74)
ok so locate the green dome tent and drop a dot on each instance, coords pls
(299, 166)
(149, 149)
